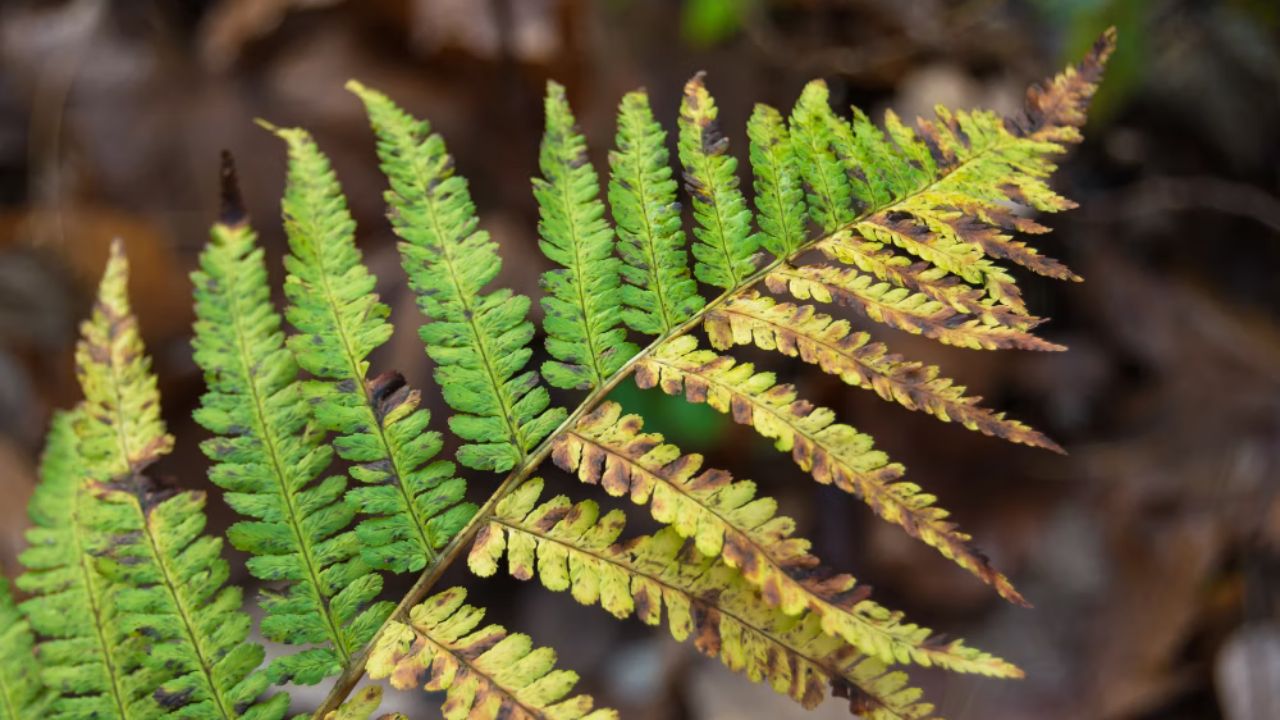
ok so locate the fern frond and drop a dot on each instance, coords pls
(416, 502)
(271, 464)
(120, 431)
(22, 693)
(484, 672)
(480, 342)
(833, 453)
(921, 277)
(939, 171)
(570, 547)
(899, 308)
(169, 585)
(780, 206)
(801, 331)
(723, 222)
(828, 190)
(167, 581)
(658, 290)
(86, 658)
(583, 305)
(725, 519)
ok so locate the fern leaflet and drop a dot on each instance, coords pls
(800, 331)
(833, 453)
(480, 342)
(659, 292)
(780, 207)
(723, 222)
(22, 695)
(416, 503)
(86, 658)
(270, 462)
(583, 304)
(726, 520)
(483, 671)
(570, 547)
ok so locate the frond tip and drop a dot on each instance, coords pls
(120, 430)
(484, 672)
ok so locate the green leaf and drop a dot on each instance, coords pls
(379, 425)
(479, 341)
(271, 464)
(86, 657)
(658, 291)
(583, 306)
(780, 207)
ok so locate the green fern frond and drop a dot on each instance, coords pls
(828, 191)
(480, 342)
(570, 547)
(658, 290)
(483, 671)
(583, 305)
(22, 693)
(722, 221)
(271, 464)
(416, 503)
(169, 587)
(801, 331)
(86, 658)
(833, 453)
(725, 519)
(780, 206)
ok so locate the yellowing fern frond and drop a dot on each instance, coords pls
(921, 277)
(833, 453)
(801, 331)
(120, 431)
(570, 547)
(898, 307)
(485, 673)
(725, 519)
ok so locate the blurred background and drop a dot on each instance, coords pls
(1151, 552)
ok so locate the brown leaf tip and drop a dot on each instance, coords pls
(231, 211)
